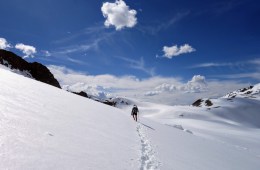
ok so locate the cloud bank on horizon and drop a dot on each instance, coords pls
(167, 90)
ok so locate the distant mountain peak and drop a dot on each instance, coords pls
(247, 92)
(252, 92)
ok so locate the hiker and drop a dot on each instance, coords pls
(134, 112)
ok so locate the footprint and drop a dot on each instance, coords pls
(148, 159)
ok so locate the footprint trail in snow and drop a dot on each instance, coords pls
(148, 160)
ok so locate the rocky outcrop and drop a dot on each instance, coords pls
(110, 103)
(38, 71)
(201, 102)
(82, 93)
(197, 103)
(244, 92)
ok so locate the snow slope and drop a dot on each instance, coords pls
(234, 122)
(43, 127)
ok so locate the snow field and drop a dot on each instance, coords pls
(43, 127)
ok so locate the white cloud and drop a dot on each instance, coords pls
(173, 51)
(166, 90)
(166, 87)
(197, 84)
(4, 44)
(119, 15)
(28, 50)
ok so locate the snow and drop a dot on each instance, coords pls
(7, 66)
(43, 127)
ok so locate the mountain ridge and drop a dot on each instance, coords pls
(33, 70)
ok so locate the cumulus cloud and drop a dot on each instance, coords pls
(95, 90)
(166, 90)
(173, 51)
(119, 15)
(28, 50)
(196, 85)
(4, 44)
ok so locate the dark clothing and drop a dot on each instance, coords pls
(134, 112)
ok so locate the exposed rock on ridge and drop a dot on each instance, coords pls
(38, 71)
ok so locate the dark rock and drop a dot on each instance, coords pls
(245, 89)
(208, 103)
(82, 93)
(14, 61)
(249, 92)
(38, 71)
(110, 103)
(43, 74)
(197, 103)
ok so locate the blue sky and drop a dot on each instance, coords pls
(174, 39)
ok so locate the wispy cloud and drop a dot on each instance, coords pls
(138, 65)
(252, 75)
(91, 44)
(230, 64)
(161, 26)
(226, 6)
(249, 69)
(80, 62)
(45, 53)
(203, 65)
(255, 61)
(88, 32)
(219, 8)
(119, 15)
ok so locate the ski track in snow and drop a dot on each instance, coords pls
(148, 159)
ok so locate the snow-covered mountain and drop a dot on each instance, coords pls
(251, 92)
(43, 127)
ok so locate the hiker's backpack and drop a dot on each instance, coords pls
(134, 111)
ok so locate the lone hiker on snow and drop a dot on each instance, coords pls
(134, 112)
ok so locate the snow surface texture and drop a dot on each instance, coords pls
(42, 127)
(231, 122)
